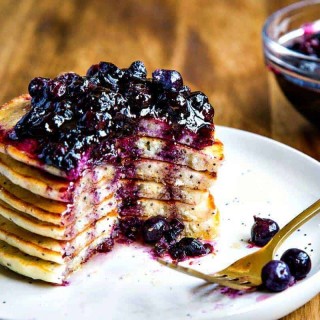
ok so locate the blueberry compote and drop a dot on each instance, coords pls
(76, 120)
(302, 91)
(165, 236)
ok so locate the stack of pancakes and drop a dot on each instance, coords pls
(51, 224)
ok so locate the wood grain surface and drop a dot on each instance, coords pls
(216, 45)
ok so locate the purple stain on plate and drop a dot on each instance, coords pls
(232, 293)
(262, 297)
(219, 306)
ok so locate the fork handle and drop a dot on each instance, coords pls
(293, 225)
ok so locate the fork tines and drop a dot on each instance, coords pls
(218, 278)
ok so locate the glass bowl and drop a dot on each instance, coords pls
(297, 74)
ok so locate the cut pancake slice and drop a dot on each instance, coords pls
(167, 173)
(47, 186)
(85, 214)
(28, 202)
(55, 231)
(207, 229)
(51, 249)
(39, 269)
(34, 179)
(207, 159)
(51, 211)
(159, 191)
(60, 213)
(169, 209)
(160, 129)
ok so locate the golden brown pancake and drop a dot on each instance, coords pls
(50, 224)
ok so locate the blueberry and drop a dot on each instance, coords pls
(193, 247)
(55, 153)
(171, 235)
(35, 122)
(298, 262)
(57, 89)
(308, 45)
(189, 247)
(45, 119)
(263, 230)
(276, 276)
(69, 78)
(139, 96)
(169, 79)
(200, 103)
(176, 227)
(185, 91)
(64, 109)
(106, 74)
(130, 227)
(93, 71)
(62, 113)
(38, 86)
(162, 246)
(137, 69)
(173, 107)
(96, 122)
(154, 228)
(177, 252)
(67, 151)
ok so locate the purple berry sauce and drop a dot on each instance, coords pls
(164, 235)
(77, 121)
(304, 95)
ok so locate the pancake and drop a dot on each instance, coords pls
(186, 212)
(34, 180)
(85, 214)
(50, 249)
(76, 162)
(47, 186)
(207, 159)
(159, 191)
(58, 231)
(39, 269)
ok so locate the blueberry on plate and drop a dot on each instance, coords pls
(298, 262)
(154, 228)
(263, 230)
(276, 276)
(189, 247)
(130, 227)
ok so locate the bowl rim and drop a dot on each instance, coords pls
(271, 43)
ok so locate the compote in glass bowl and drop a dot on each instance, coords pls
(291, 38)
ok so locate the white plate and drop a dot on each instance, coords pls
(259, 177)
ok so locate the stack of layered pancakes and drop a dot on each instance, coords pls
(81, 155)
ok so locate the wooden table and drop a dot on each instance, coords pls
(215, 44)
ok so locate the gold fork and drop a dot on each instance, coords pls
(245, 273)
